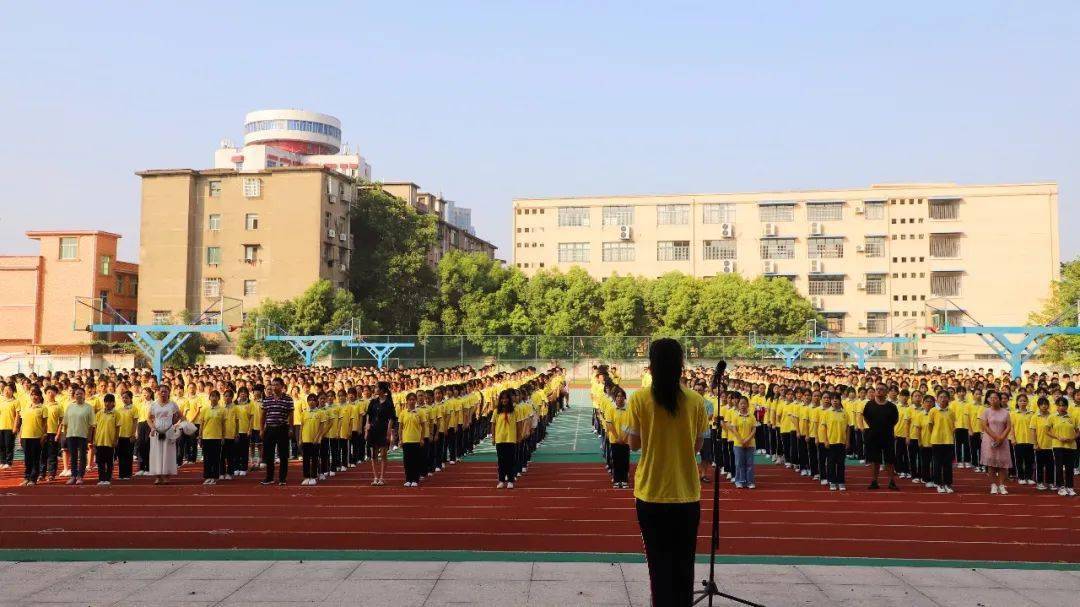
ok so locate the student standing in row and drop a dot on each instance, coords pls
(9, 407)
(29, 422)
(505, 438)
(994, 424)
(106, 424)
(382, 417)
(943, 438)
(125, 436)
(1063, 430)
(741, 430)
(620, 449)
(212, 428)
(78, 429)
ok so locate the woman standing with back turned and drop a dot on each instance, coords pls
(667, 422)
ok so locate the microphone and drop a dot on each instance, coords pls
(718, 374)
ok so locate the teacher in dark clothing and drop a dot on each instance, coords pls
(277, 417)
(881, 416)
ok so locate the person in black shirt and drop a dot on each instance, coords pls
(881, 416)
(379, 432)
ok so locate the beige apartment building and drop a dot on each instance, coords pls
(872, 260)
(450, 236)
(249, 235)
(37, 292)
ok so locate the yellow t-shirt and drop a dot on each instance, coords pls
(125, 418)
(409, 422)
(243, 417)
(667, 471)
(1022, 426)
(55, 414)
(785, 411)
(212, 422)
(943, 422)
(1043, 424)
(8, 406)
(1064, 426)
(836, 427)
(105, 428)
(310, 425)
(744, 428)
(924, 430)
(505, 427)
(33, 421)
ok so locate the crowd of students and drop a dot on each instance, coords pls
(812, 420)
(336, 418)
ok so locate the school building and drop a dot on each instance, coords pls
(874, 261)
(38, 291)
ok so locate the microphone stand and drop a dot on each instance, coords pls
(710, 589)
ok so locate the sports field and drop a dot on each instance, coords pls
(563, 507)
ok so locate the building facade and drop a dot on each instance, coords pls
(249, 235)
(874, 261)
(454, 223)
(37, 309)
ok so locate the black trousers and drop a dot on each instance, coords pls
(240, 451)
(837, 463)
(32, 459)
(276, 441)
(620, 463)
(324, 456)
(963, 446)
(50, 455)
(903, 464)
(211, 458)
(506, 453)
(228, 456)
(76, 447)
(926, 463)
(1063, 467)
(413, 456)
(144, 447)
(1025, 461)
(975, 448)
(1044, 466)
(310, 453)
(103, 456)
(943, 462)
(124, 452)
(670, 535)
(191, 453)
(914, 464)
(7, 447)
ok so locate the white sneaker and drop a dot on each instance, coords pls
(206, 482)
(1071, 492)
(949, 489)
(1002, 490)
(817, 477)
(843, 488)
(832, 487)
(917, 481)
(228, 477)
(941, 489)
(67, 473)
(1062, 492)
(993, 489)
(408, 484)
(824, 481)
(930, 485)
(262, 466)
(213, 482)
(509, 485)
(501, 485)
(322, 477)
(1041, 487)
(103, 482)
(738, 485)
(332, 473)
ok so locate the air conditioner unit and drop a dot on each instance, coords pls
(769, 267)
(861, 286)
(816, 267)
(727, 230)
(862, 326)
(625, 233)
(331, 233)
(859, 210)
(343, 237)
(817, 228)
(770, 229)
(817, 302)
(333, 198)
(728, 266)
(860, 248)
(343, 268)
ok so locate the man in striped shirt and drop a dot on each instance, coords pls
(277, 418)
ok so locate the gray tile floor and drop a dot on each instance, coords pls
(287, 584)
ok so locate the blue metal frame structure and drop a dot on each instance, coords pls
(309, 347)
(789, 352)
(379, 351)
(861, 347)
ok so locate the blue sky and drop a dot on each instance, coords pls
(492, 100)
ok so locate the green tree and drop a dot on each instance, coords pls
(322, 309)
(389, 269)
(1061, 306)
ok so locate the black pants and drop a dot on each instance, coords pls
(228, 456)
(1063, 467)
(413, 456)
(76, 447)
(211, 458)
(963, 446)
(1025, 461)
(926, 463)
(943, 462)
(191, 453)
(903, 464)
(144, 447)
(32, 459)
(240, 451)
(124, 451)
(837, 463)
(670, 535)
(7, 447)
(914, 463)
(104, 459)
(975, 449)
(620, 463)
(50, 455)
(324, 456)
(310, 453)
(506, 452)
(1044, 466)
(276, 442)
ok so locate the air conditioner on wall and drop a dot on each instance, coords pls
(727, 230)
(859, 210)
(769, 267)
(816, 267)
(343, 268)
(862, 326)
(861, 286)
(817, 228)
(343, 237)
(625, 233)
(860, 248)
(770, 229)
(728, 266)
(817, 302)
(331, 233)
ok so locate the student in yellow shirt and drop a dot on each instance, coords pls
(8, 407)
(54, 410)
(211, 430)
(742, 428)
(125, 435)
(926, 448)
(411, 438)
(837, 437)
(1041, 427)
(504, 436)
(943, 439)
(620, 449)
(228, 436)
(255, 452)
(311, 426)
(30, 425)
(1022, 440)
(242, 442)
(106, 425)
(1064, 432)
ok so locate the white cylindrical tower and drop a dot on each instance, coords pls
(297, 131)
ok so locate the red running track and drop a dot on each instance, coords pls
(556, 507)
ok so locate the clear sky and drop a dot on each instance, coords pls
(487, 101)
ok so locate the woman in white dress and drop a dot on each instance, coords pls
(164, 417)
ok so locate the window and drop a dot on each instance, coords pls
(162, 317)
(833, 211)
(211, 287)
(775, 213)
(251, 253)
(874, 246)
(251, 221)
(718, 249)
(618, 216)
(215, 187)
(617, 251)
(834, 322)
(673, 250)
(69, 247)
(877, 323)
(875, 210)
(252, 187)
(214, 222)
(574, 217)
(106, 265)
(250, 288)
(945, 284)
(875, 284)
(672, 214)
(718, 213)
(945, 245)
(944, 209)
(570, 252)
(778, 248)
(134, 286)
(119, 284)
(825, 248)
(826, 285)
(213, 256)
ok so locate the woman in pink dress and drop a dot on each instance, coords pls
(996, 427)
